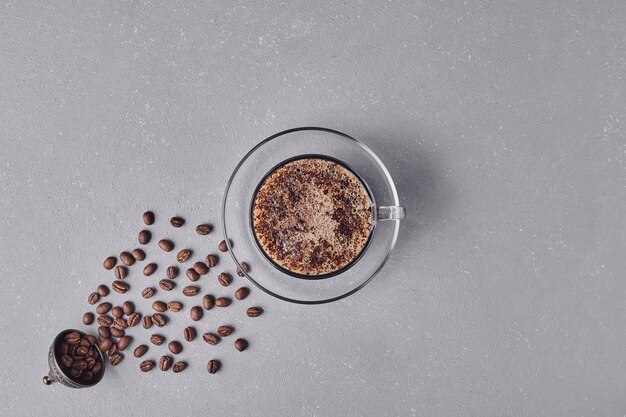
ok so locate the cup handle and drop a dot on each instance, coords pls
(384, 213)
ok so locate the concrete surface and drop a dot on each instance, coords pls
(502, 123)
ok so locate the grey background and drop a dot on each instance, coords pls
(501, 122)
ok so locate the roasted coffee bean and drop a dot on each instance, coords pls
(254, 311)
(84, 343)
(88, 318)
(146, 366)
(72, 351)
(103, 290)
(192, 275)
(177, 221)
(139, 254)
(208, 301)
(225, 330)
(90, 362)
(76, 373)
(150, 269)
(93, 298)
(183, 256)
(241, 344)
(91, 339)
(165, 362)
(244, 268)
(222, 302)
(104, 320)
(116, 359)
(211, 260)
(179, 366)
(195, 313)
(166, 245)
(224, 279)
(159, 306)
(117, 312)
(172, 272)
(82, 351)
(146, 322)
(112, 350)
(191, 290)
(105, 344)
(80, 364)
(140, 351)
(213, 366)
(66, 361)
(116, 332)
(167, 285)
(204, 229)
(211, 339)
(87, 375)
(124, 342)
(120, 287)
(175, 347)
(242, 293)
(223, 247)
(159, 319)
(148, 218)
(189, 333)
(62, 349)
(201, 268)
(144, 237)
(133, 319)
(147, 292)
(109, 262)
(104, 332)
(103, 308)
(96, 368)
(127, 258)
(120, 324)
(174, 306)
(128, 307)
(121, 272)
(157, 339)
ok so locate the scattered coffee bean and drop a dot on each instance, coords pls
(213, 366)
(148, 218)
(117, 312)
(189, 333)
(223, 247)
(146, 366)
(166, 245)
(195, 313)
(157, 339)
(93, 298)
(144, 237)
(134, 319)
(103, 290)
(159, 319)
(225, 331)
(172, 272)
(120, 324)
(222, 302)
(183, 255)
(121, 272)
(204, 229)
(244, 268)
(211, 339)
(150, 269)
(120, 287)
(104, 320)
(109, 262)
(174, 306)
(165, 362)
(105, 344)
(104, 332)
(146, 322)
(139, 254)
(116, 332)
(208, 301)
(241, 344)
(175, 347)
(179, 366)
(128, 307)
(140, 351)
(147, 292)
(201, 268)
(242, 293)
(191, 290)
(159, 306)
(177, 221)
(127, 259)
(112, 350)
(211, 260)
(224, 279)
(88, 318)
(123, 343)
(103, 308)
(116, 359)
(192, 275)
(254, 311)
(167, 285)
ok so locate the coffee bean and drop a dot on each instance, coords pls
(159, 306)
(96, 368)
(175, 347)
(90, 361)
(149, 269)
(105, 344)
(211, 339)
(133, 319)
(66, 361)
(120, 287)
(62, 349)
(76, 373)
(241, 344)
(79, 365)
(208, 301)
(213, 366)
(117, 312)
(146, 322)
(183, 255)
(148, 218)
(146, 366)
(174, 306)
(189, 333)
(165, 362)
(123, 343)
(195, 313)
(84, 343)
(159, 319)
(87, 375)
(244, 268)
(103, 290)
(140, 351)
(139, 254)
(254, 311)
(177, 221)
(121, 272)
(104, 332)
(224, 279)
(204, 229)
(72, 338)
(191, 290)
(166, 245)
(147, 292)
(179, 366)
(157, 339)
(192, 275)
(104, 320)
(127, 259)
(211, 260)
(88, 318)
(128, 307)
(82, 351)
(242, 293)
(117, 332)
(222, 302)
(93, 298)
(116, 359)
(144, 237)
(103, 308)
(167, 285)
(225, 331)
(120, 324)
(172, 272)
(223, 247)
(109, 262)
(91, 339)
(112, 350)
(201, 268)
